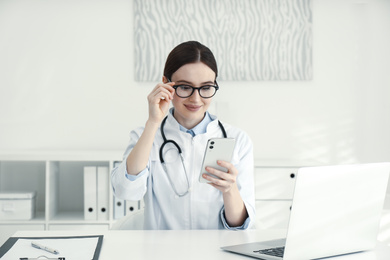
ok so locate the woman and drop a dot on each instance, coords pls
(174, 198)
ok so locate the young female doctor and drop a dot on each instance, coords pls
(162, 162)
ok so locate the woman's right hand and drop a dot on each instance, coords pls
(159, 100)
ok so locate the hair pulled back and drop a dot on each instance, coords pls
(189, 52)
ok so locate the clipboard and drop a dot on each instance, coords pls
(12, 240)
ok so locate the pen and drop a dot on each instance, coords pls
(48, 249)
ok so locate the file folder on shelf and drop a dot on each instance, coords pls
(90, 195)
(119, 204)
(131, 206)
(119, 208)
(102, 193)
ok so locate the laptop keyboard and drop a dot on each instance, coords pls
(277, 251)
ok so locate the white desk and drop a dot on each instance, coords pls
(185, 244)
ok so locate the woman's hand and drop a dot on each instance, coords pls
(227, 180)
(159, 100)
(235, 210)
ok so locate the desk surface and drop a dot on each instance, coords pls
(185, 244)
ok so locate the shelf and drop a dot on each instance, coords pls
(58, 179)
(38, 219)
(25, 176)
(66, 187)
(68, 216)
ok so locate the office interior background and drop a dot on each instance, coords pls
(67, 84)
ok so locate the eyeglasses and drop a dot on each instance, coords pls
(185, 91)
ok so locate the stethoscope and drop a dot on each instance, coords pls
(166, 141)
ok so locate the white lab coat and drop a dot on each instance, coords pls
(202, 207)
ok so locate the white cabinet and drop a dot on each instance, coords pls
(272, 214)
(275, 183)
(274, 187)
(57, 179)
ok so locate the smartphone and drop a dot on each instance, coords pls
(217, 149)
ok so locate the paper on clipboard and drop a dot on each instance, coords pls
(70, 248)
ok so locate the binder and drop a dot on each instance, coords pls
(131, 206)
(90, 198)
(102, 193)
(119, 208)
(119, 204)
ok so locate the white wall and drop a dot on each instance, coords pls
(67, 83)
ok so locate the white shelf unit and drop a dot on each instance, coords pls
(57, 177)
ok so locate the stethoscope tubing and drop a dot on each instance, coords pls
(165, 141)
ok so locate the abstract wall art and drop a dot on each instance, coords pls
(252, 40)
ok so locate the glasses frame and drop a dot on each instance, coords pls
(193, 89)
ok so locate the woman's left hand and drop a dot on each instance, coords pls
(227, 179)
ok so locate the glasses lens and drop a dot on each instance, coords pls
(207, 91)
(183, 91)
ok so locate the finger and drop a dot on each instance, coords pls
(224, 164)
(215, 181)
(169, 88)
(217, 172)
(231, 168)
(164, 96)
(156, 98)
(220, 174)
(168, 85)
(161, 92)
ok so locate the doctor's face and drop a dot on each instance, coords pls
(190, 111)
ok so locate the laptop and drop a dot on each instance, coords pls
(336, 210)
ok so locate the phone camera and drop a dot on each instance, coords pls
(211, 147)
(212, 142)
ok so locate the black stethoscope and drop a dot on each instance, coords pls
(181, 156)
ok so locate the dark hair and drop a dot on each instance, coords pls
(189, 52)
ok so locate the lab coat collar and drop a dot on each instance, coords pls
(174, 125)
